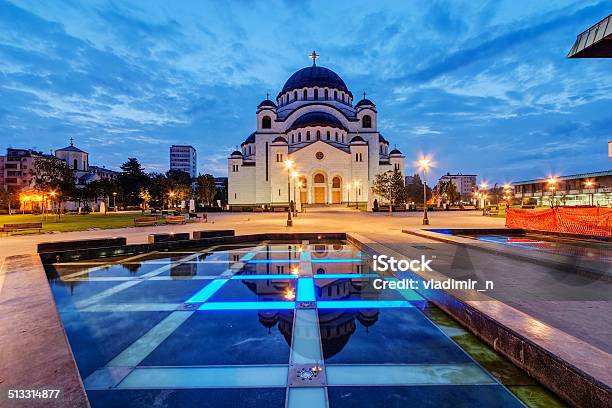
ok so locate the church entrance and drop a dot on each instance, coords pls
(303, 186)
(319, 189)
(336, 190)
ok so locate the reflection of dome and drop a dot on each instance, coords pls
(336, 329)
(268, 319)
(314, 76)
(317, 119)
(367, 317)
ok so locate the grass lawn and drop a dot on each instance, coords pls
(73, 222)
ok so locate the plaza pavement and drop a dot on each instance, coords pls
(578, 305)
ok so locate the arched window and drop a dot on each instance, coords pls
(319, 178)
(75, 164)
(293, 138)
(336, 182)
(303, 182)
(299, 137)
(328, 135)
(335, 95)
(295, 95)
(266, 122)
(318, 134)
(336, 136)
(316, 94)
(305, 94)
(366, 122)
(308, 135)
(326, 95)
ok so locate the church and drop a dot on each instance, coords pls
(312, 146)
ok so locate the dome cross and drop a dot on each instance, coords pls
(314, 57)
(364, 95)
(71, 142)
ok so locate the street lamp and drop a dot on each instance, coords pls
(552, 182)
(289, 166)
(356, 185)
(424, 164)
(171, 199)
(483, 196)
(590, 184)
(294, 176)
(114, 201)
(348, 195)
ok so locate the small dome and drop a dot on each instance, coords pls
(395, 152)
(236, 153)
(315, 76)
(266, 103)
(365, 102)
(317, 119)
(357, 139)
(280, 139)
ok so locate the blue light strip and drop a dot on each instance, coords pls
(346, 276)
(361, 304)
(273, 305)
(306, 290)
(263, 277)
(207, 291)
(346, 260)
(265, 261)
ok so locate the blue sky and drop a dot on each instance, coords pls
(482, 86)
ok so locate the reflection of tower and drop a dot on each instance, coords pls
(183, 270)
(336, 327)
(132, 267)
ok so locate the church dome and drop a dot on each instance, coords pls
(266, 103)
(317, 119)
(357, 139)
(364, 102)
(315, 76)
(395, 152)
(236, 153)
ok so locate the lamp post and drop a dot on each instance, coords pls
(356, 185)
(552, 182)
(294, 175)
(348, 195)
(114, 201)
(589, 184)
(424, 165)
(289, 166)
(483, 196)
(171, 199)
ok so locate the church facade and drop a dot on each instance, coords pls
(313, 144)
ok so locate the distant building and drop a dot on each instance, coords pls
(465, 183)
(578, 189)
(183, 158)
(16, 167)
(75, 158)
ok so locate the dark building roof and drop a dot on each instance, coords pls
(70, 148)
(364, 102)
(250, 139)
(317, 119)
(236, 153)
(266, 103)
(357, 139)
(382, 139)
(595, 42)
(314, 76)
(279, 139)
(394, 151)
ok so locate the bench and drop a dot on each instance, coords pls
(145, 221)
(178, 219)
(492, 210)
(469, 207)
(22, 226)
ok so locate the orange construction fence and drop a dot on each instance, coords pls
(586, 221)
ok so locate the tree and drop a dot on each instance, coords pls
(103, 189)
(449, 189)
(205, 188)
(145, 196)
(53, 176)
(131, 180)
(179, 183)
(390, 186)
(7, 198)
(414, 189)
